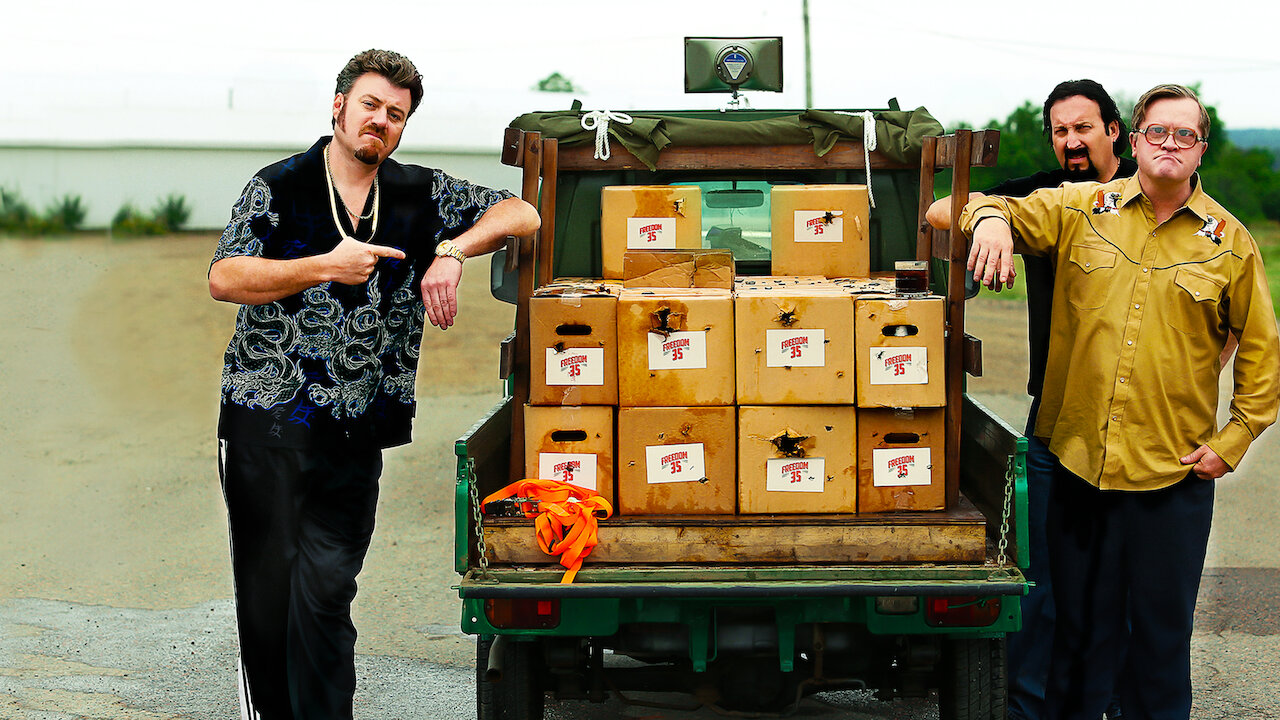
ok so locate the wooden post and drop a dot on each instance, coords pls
(547, 209)
(955, 311)
(928, 167)
(531, 155)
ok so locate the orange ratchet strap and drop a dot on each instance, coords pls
(566, 521)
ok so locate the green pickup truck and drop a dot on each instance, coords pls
(746, 613)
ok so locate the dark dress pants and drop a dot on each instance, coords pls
(1126, 568)
(1029, 648)
(300, 525)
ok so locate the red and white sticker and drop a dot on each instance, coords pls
(899, 366)
(901, 467)
(575, 366)
(795, 348)
(678, 351)
(675, 463)
(573, 468)
(825, 226)
(795, 475)
(651, 233)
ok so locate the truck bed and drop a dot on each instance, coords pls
(965, 535)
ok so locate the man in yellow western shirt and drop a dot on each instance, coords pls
(1151, 276)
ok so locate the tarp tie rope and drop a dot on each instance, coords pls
(598, 120)
(566, 521)
(868, 145)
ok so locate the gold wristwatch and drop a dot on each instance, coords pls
(447, 248)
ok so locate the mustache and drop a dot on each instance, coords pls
(374, 130)
(1077, 153)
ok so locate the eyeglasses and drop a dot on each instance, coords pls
(1182, 137)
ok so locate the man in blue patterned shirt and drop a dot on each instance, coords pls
(336, 255)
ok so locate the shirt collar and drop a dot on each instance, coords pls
(1197, 203)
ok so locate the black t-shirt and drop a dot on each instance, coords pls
(1038, 270)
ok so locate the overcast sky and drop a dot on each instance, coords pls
(262, 72)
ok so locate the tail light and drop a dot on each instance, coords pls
(964, 611)
(522, 613)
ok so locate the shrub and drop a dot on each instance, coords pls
(130, 221)
(15, 214)
(172, 212)
(64, 215)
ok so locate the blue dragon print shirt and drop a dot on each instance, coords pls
(335, 362)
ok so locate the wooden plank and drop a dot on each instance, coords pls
(513, 147)
(507, 357)
(547, 209)
(987, 446)
(844, 155)
(924, 237)
(983, 150)
(956, 536)
(524, 290)
(963, 144)
(972, 355)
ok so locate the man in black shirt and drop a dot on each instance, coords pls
(335, 255)
(1088, 138)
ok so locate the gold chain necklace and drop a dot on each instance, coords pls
(333, 200)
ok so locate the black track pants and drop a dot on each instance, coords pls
(300, 525)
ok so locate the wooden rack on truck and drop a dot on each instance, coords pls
(958, 535)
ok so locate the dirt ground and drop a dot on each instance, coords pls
(109, 382)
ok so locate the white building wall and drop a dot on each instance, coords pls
(210, 178)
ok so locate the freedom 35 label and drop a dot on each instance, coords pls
(901, 467)
(678, 351)
(651, 233)
(795, 348)
(574, 468)
(819, 226)
(675, 463)
(575, 366)
(899, 366)
(795, 474)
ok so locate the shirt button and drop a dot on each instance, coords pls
(1086, 264)
(1197, 292)
(1137, 307)
(1130, 342)
(1144, 269)
(1115, 418)
(1121, 381)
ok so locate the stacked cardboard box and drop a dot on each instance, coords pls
(816, 390)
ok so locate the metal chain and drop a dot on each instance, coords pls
(474, 488)
(1002, 548)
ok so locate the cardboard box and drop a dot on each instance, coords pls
(647, 217)
(573, 344)
(678, 269)
(677, 461)
(795, 344)
(570, 444)
(820, 229)
(900, 351)
(901, 460)
(797, 459)
(675, 348)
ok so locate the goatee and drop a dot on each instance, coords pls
(367, 155)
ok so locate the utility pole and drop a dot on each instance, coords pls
(808, 73)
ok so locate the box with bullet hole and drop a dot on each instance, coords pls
(794, 344)
(900, 352)
(573, 344)
(676, 461)
(820, 230)
(675, 347)
(797, 459)
(647, 217)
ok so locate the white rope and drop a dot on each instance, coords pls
(868, 145)
(598, 120)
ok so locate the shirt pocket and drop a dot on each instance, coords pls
(1089, 274)
(1193, 309)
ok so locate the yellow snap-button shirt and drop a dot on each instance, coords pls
(1140, 315)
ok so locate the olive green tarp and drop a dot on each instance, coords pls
(899, 133)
